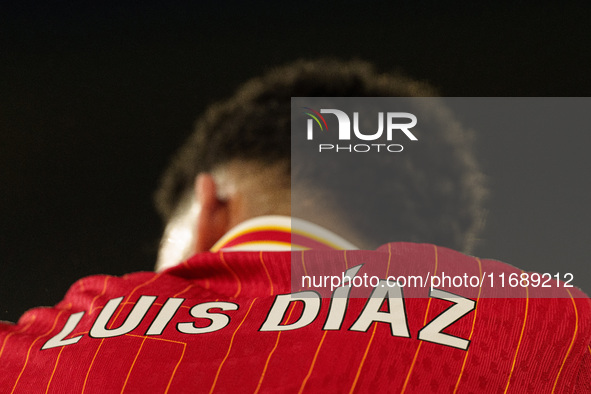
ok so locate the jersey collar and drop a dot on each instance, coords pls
(279, 233)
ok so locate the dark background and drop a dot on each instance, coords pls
(95, 98)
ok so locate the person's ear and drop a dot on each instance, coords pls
(214, 218)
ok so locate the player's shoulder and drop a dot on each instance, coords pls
(125, 285)
(495, 277)
(92, 291)
(500, 289)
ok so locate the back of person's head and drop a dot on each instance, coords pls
(433, 197)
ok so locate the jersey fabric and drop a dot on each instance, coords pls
(226, 322)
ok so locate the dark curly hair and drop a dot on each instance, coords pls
(437, 196)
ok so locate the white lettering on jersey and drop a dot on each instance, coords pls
(282, 302)
(374, 310)
(99, 328)
(432, 331)
(58, 340)
(201, 311)
(165, 316)
(395, 316)
(339, 301)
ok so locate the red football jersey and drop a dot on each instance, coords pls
(235, 322)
